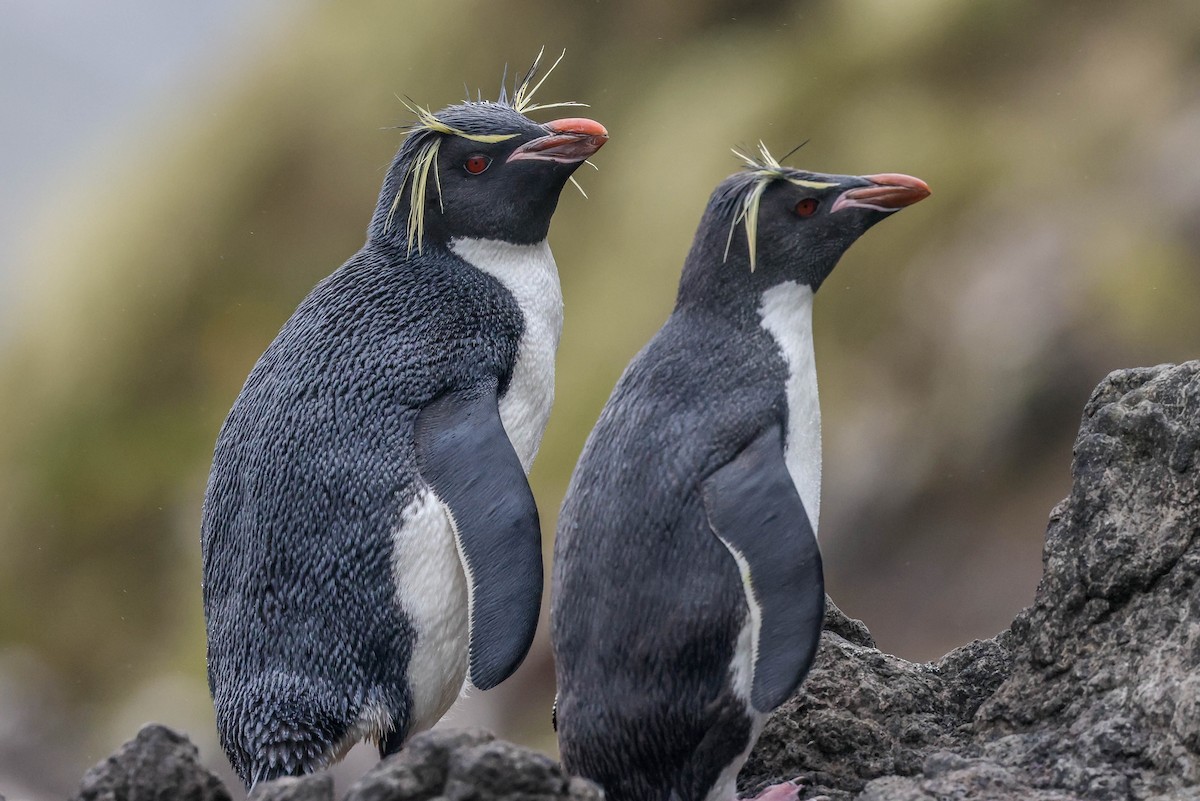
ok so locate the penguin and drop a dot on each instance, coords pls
(369, 539)
(687, 594)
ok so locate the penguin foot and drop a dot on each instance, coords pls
(784, 791)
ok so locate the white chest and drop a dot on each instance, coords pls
(529, 273)
(786, 313)
(431, 585)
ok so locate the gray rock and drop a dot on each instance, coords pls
(504, 772)
(157, 765)
(864, 714)
(468, 765)
(1094, 691)
(316, 787)
(958, 778)
(1104, 694)
(419, 771)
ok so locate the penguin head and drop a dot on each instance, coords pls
(767, 224)
(507, 189)
(482, 169)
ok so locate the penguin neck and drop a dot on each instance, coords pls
(785, 312)
(719, 282)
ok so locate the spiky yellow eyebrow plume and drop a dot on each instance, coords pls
(425, 158)
(765, 169)
(418, 179)
(522, 99)
(428, 121)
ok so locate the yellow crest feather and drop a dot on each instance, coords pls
(765, 168)
(522, 99)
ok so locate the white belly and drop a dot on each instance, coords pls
(432, 591)
(430, 581)
(786, 313)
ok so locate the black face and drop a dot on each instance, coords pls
(803, 227)
(487, 196)
(505, 189)
(800, 234)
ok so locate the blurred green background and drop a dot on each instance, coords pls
(956, 343)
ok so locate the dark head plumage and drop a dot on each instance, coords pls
(500, 126)
(739, 196)
(797, 224)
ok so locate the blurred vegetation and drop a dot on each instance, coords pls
(956, 343)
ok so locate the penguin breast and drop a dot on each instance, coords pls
(529, 273)
(786, 314)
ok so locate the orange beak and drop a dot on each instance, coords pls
(889, 192)
(569, 141)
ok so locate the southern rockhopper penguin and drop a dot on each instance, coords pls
(369, 537)
(687, 594)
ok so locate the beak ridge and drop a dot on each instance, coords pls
(888, 192)
(581, 126)
(568, 141)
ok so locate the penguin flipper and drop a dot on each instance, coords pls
(754, 509)
(465, 456)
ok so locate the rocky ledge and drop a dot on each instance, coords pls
(444, 765)
(1092, 693)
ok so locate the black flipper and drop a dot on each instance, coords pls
(464, 455)
(755, 511)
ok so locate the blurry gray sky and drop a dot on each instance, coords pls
(76, 76)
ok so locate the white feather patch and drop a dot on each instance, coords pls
(432, 589)
(432, 579)
(373, 724)
(529, 273)
(786, 313)
(746, 652)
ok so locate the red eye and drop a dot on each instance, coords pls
(807, 207)
(477, 163)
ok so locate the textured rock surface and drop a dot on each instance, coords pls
(443, 765)
(1093, 693)
(157, 765)
(863, 714)
(468, 765)
(318, 787)
(418, 771)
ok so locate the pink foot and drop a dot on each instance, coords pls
(785, 791)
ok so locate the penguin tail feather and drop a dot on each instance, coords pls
(283, 728)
